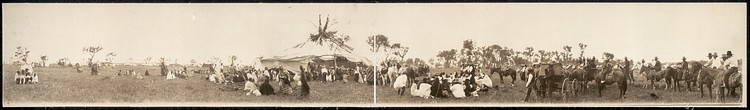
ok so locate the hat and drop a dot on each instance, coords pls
(710, 55)
(729, 53)
(683, 58)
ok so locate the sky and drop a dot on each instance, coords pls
(202, 31)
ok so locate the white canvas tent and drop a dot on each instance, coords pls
(293, 58)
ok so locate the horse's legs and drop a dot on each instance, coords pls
(700, 87)
(653, 85)
(710, 90)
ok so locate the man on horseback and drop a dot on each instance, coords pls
(657, 64)
(606, 68)
(731, 64)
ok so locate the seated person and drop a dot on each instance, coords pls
(251, 88)
(424, 88)
(458, 90)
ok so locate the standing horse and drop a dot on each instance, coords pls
(690, 75)
(503, 73)
(706, 77)
(654, 76)
(618, 76)
(728, 85)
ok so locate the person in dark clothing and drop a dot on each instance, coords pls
(266, 88)
(435, 88)
(657, 64)
(469, 88)
(304, 89)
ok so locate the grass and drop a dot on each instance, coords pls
(64, 85)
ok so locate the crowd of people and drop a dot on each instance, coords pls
(469, 82)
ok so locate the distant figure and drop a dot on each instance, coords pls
(147, 73)
(94, 70)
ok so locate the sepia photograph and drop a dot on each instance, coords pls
(374, 55)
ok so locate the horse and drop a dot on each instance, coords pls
(654, 76)
(674, 75)
(706, 76)
(619, 76)
(690, 75)
(728, 84)
(509, 72)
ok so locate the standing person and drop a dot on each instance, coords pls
(94, 69)
(344, 74)
(357, 72)
(628, 68)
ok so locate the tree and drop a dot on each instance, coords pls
(44, 60)
(529, 53)
(91, 51)
(147, 60)
(567, 49)
(400, 50)
(21, 55)
(111, 57)
(583, 47)
(608, 56)
(163, 60)
(378, 42)
(448, 56)
(324, 36)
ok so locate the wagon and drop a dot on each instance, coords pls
(546, 79)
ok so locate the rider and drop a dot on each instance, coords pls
(731, 64)
(657, 64)
(607, 67)
(710, 60)
(684, 65)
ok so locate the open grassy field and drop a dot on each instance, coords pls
(636, 94)
(64, 85)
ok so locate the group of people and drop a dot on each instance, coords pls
(469, 82)
(257, 82)
(131, 73)
(26, 75)
(340, 73)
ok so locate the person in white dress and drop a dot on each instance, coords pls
(400, 84)
(251, 88)
(457, 89)
(424, 89)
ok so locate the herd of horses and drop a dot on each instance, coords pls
(545, 78)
